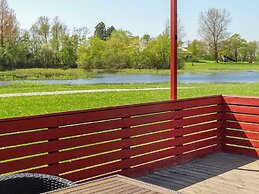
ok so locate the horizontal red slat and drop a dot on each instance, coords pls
(242, 134)
(84, 174)
(126, 153)
(240, 109)
(169, 162)
(246, 101)
(96, 127)
(241, 126)
(171, 152)
(53, 120)
(57, 157)
(200, 128)
(51, 158)
(242, 151)
(241, 117)
(68, 143)
(33, 149)
(242, 142)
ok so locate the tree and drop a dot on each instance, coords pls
(122, 50)
(9, 28)
(42, 27)
(91, 54)
(109, 31)
(196, 50)
(67, 53)
(144, 41)
(146, 38)
(157, 53)
(251, 50)
(57, 30)
(213, 28)
(235, 42)
(81, 34)
(100, 31)
(22, 52)
(180, 42)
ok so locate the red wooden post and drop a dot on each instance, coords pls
(173, 53)
(126, 148)
(53, 140)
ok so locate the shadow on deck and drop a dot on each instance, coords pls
(218, 173)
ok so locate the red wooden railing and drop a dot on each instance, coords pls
(129, 140)
(241, 124)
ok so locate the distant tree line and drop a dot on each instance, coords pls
(123, 50)
(50, 44)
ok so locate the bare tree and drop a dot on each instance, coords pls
(43, 28)
(9, 29)
(213, 28)
(180, 29)
(81, 33)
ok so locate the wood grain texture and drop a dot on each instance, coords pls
(115, 184)
(241, 125)
(218, 173)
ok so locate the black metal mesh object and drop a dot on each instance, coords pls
(29, 183)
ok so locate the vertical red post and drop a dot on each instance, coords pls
(173, 52)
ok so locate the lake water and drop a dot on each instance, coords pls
(242, 77)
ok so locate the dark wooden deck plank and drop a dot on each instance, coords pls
(218, 173)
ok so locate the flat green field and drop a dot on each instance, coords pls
(212, 67)
(24, 106)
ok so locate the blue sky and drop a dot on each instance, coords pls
(138, 16)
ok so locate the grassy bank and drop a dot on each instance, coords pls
(21, 106)
(46, 74)
(212, 67)
(66, 74)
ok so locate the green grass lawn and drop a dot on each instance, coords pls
(212, 67)
(23, 87)
(23, 106)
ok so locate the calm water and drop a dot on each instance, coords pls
(243, 77)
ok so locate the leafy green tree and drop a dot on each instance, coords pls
(251, 50)
(45, 55)
(157, 54)
(68, 52)
(90, 55)
(235, 42)
(57, 30)
(22, 52)
(196, 50)
(121, 50)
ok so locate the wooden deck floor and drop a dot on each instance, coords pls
(217, 174)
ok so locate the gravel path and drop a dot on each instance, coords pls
(81, 91)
